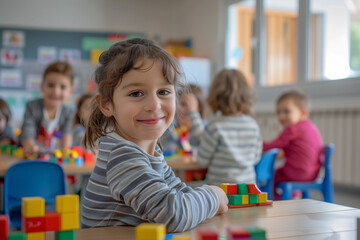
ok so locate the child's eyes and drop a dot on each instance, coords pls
(136, 94)
(164, 92)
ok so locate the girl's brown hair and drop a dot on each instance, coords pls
(230, 93)
(5, 110)
(298, 97)
(114, 63)
(81, 101)
(62, 68)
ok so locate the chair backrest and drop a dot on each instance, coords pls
(33, 178)
(328, 151)
(265, 167)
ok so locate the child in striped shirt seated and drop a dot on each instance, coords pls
(131, 182)
(231, 143)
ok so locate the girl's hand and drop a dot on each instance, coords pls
(30, 148)
(223, 206)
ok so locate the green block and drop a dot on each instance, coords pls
(65, 235)
(243, 189)
(17, 236)
(253, 198)
(256, 232)
(235, 199)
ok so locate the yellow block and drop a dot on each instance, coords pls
(35, 236)
(33, 207)
(70, 221)
(263, 197)
(224, 186)
(150, 231)
(181, 238)
(245, 199)
(67, 203)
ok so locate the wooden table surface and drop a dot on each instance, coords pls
(294, 219)
(177, 163)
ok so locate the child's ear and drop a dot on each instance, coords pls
(304, 113)
(105, 108)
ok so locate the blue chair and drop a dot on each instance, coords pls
(324, 185)
(265, 172)
(32, 178)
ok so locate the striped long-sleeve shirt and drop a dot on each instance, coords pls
(128, 186)
(230, 146)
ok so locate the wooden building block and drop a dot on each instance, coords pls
(236, 232)
(181, 238)
(243, 189)
(150, 231)
(4, 226)
(35, 236)
(17, 236)
(33, 207)
(70, 221)
(67, 203)
(235, 199)
(263, 197)
(232, 189)
(223, 186)
(52, 221)
(256, 232)
(253, 189)
(206, 234)
(32, 224)
(253, 198)
(65, 235)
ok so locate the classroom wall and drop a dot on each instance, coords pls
(160, 19)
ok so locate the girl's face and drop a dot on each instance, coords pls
(3, 122)
(183, 109)
(56, 88)
(288, 113)
(143, 105)
(85, 111)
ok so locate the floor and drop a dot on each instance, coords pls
(343, 195)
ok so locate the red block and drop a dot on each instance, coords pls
(234, 232)
(232, 189)
(88, 158)
(253, 189)
(79, 150)
(32, 224)
(206, 234)
(4, 227)
(52, 221)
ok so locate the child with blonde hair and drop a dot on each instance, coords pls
(131, 182)
(300, 140)
(231, 143)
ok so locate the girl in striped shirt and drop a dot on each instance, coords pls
(230, 143)
(131, 182)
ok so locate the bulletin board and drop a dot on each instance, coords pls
(25, 53)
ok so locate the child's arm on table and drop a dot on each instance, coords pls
(132, 179)
(175, 182)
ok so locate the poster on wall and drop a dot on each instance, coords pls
(70, 55)
(47, 54)
(13, 39)
(33, 82)
(11, 57)
(10, 78)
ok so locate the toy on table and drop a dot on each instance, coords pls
(35, 221)
(156, 231)
(245, 195)
(179, 143)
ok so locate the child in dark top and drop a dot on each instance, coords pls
(48, 116)
(300, 140)
(6, 131)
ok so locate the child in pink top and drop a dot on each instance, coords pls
(300, 140)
